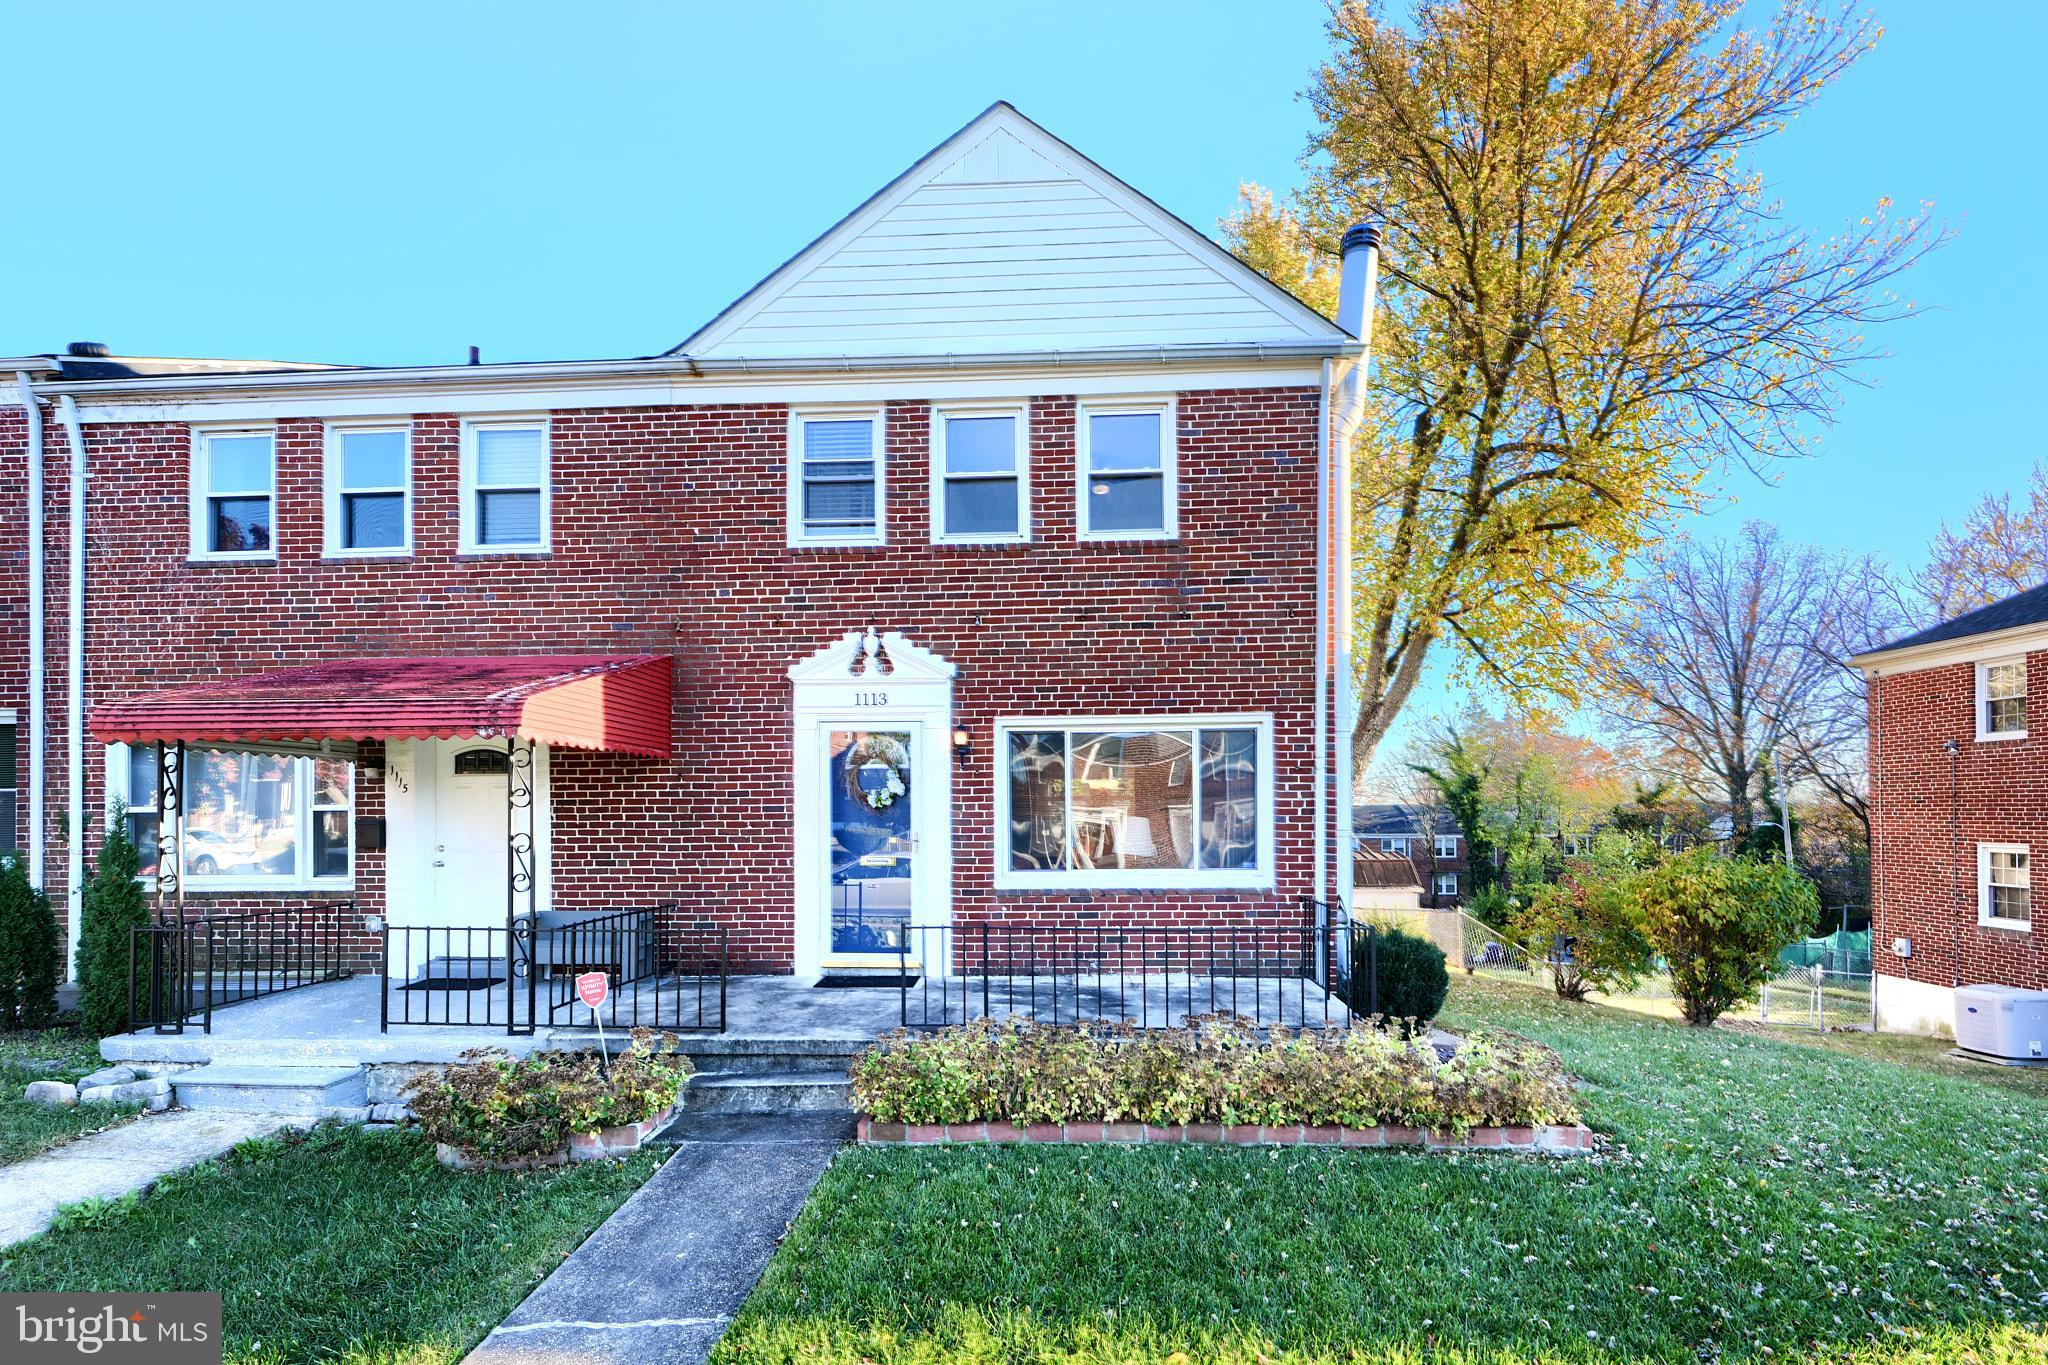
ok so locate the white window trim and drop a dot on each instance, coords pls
(199, 491)
(117, 791)
(1135, 879)
(1021, 455)
(1985, 919)
(1447, 839)
(331, 490)
(469, 542)
(798, 537)
(1982, 693)
(1439, 888)
(1169, 464)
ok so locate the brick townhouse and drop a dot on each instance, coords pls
(1425, 835)
(975, 564)
(1959, 800)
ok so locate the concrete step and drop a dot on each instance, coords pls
(776, 1092)
(720, 1054)
(255, 1088)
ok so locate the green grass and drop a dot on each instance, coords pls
(26, 1128)
(1760, 1201)
(340, 1245)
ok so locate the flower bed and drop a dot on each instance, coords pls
(495, 1111)
(1218, 1080)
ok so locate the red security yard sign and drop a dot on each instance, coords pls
(592, 988)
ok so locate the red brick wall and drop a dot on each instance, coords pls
(668, 536)
(1920, 859)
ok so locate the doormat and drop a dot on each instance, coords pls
(452, 983)
(854, 983)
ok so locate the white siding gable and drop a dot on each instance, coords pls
(1004, 240)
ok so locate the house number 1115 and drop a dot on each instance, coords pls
(871, 699)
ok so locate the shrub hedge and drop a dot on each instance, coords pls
(497, 1108)
(1412, 976)
(1219, 1070)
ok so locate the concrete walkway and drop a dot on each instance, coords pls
(659, 1282)
(108, 1165)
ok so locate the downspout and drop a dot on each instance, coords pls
(74, 698)
(1325, 872)
(1358, 285)
(38, 723)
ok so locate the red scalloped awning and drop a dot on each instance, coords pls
(577, 701)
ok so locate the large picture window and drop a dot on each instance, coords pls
(1135, 803)
(252, 821)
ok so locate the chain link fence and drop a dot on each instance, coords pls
(1820, 984)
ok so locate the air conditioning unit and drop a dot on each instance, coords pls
(2003, 1022)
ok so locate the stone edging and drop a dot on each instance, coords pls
(1557, 1139)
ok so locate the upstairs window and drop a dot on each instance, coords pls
(368, 489)
(835, 485)
(2004, 886)
(505, 492)
(1393, 843)
(1447, 846)
(2002, 699)
(1127, 485)
(981, 476)
(234, 494)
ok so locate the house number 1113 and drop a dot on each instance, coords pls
(871, 699)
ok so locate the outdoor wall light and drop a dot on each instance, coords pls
(962, 744)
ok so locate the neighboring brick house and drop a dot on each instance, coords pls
(1428, 837)
(972, 565)
(1958, 803)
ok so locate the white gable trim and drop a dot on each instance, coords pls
(873, 656)
(938, 165)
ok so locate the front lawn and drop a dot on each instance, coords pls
(27, 1128)
(1761, 1201)
(339, 1245)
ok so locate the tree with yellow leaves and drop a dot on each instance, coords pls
(1587, 306)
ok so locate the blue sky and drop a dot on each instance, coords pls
(392, 183)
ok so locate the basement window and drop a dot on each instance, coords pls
(2002, 699)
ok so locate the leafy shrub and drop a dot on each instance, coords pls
(113, 906)
(30, 961)
(1412, 977)
(1721, 923)
(1491, 906)
(1219, 1070)
(497, 1108)
(1589, 927)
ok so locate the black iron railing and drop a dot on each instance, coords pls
(1290, 971)
(181, 971)
(658, 975)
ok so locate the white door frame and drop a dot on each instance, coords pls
(871, 681)
(413, 769)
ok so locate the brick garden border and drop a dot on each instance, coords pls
(1556, 1139)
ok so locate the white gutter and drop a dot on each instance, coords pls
(685, 367)
(74, 700)
(1357, 289)
(38, 722)
(1326, 873)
